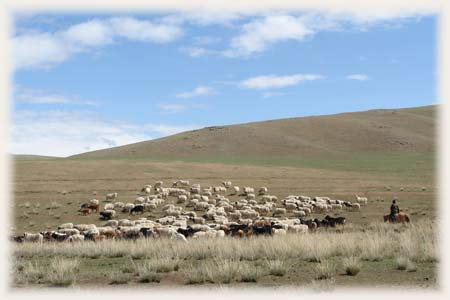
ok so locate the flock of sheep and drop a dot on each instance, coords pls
(207, 213)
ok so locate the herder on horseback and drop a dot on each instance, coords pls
(394, 211)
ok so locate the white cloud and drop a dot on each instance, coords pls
(198, 91)
(197, 51)
(47, 50)
(267, 29)
(90, 33)
(64, 133)
(256, 36)
(34, 96)
(172, 108)
(204, 17)
(272, 94)
(207, 40)
(274, 81)
(145, 31)
(44, 49)
(360, 77)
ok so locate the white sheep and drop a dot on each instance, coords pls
(109, 206)
(111, 196)
(361, 199)
(262, 191)
(65, 226)
(356, 206)
(33, 237)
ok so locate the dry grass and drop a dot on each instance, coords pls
(227, 260)
(374, 242)
(119, 278)
(28, 273)
(351, 265)
(277, 267)
(404, 263)
(62, 271)
(325, 270)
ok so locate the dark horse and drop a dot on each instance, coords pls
(399, 218)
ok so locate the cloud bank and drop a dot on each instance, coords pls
(64, 133)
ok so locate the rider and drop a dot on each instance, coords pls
(394, 210)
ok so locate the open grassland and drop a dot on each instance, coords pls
(379, 154)
(375, 255)
(39, 205)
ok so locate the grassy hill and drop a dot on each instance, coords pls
(32, 157)
(369, 137)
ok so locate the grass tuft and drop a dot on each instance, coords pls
(63, 271)
(325, 270)
(351, 265)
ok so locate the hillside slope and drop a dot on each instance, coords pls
(409, 130)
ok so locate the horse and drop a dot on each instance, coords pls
(399, 218)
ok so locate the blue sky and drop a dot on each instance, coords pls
(87, 82)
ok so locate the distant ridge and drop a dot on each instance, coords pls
(406, 130)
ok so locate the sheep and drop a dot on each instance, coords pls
(262, 191)
(107, 214)
(139, 208)
(139, 200)
(118, 205)
(94, 201)
(235, 215)
(85, 211)
(356, 206)
(250, 196)
(108, 206)
(111, 196)
(181, 199)
(84, 227)
(198, 220)
(251, 214)
(278, 231)
(361, 199)
(299, 213)
(336, 206)
(298, 228)
(174, 213)
(69, 231)
(290, 206)
(226, 184)
(245, 221)
(199, 234)
(180, 223)
(93, 204)
(75, 238)
(192, 203)
(35, 238)
(306, 210)
(125, 222)
(180, 183)
(165, 231)
(179, 237)
(157, 185)
(149, 206)
(279, 211)
(166, 220)
(65, 226)
(128, 207)
(236, 190)
(248, 190)
(196, 197)
(113, 223)
(147, 189)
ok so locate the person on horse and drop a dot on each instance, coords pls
(394, 211)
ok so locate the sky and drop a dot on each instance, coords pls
(84, 82)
